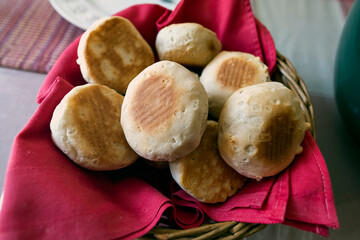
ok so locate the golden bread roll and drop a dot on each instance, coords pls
(228, 72)
(86, 127)
(164, 112)
(203, 173)
(112, 52)
(261, 128)
(189, 44)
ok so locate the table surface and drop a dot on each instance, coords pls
(307, 32)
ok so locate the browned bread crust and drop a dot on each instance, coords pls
(112, 52)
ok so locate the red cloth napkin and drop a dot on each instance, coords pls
(47, 196)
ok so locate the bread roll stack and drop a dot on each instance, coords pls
(164, 114)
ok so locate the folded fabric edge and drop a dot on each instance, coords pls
(179, 203)
(267, 40)
(328, 192)
(44, 94)
(150, 226)
(65, 59)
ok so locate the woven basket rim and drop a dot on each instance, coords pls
(292, 80)
(286, 73)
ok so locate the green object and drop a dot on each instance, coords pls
(347, 72)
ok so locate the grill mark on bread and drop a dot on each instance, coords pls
(235, 73)
(276, 136)
(157, 110)
(155, 102)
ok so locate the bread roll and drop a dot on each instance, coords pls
(112, 52)
(203, 173)
(164, 112)
(86, 127)
(228, 72)
(261, 128)
(189, 44)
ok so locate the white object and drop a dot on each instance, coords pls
(82, 13)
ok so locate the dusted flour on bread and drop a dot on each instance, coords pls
(189, 44)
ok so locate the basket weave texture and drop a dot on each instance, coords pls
(286, 74)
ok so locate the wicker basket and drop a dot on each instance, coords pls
(285, 73)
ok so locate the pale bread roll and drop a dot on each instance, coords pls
(164, 112)
(228, 72)
(86, 127)
(203, 173)
(189, 44)
(261, 128)
(112, 52)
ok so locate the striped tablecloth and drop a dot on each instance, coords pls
(32, 34)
